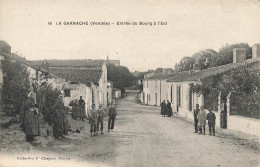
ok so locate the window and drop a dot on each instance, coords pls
(67, 93)
(171, 93)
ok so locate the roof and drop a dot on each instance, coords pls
(84, 76)
(195, 76)
(160, 76)
(69, 63)
(116, 89)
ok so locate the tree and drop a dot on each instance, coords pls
(205, 58)
(16, 86)
(243, 82)
(120, 76)
(225, 55)
(187, 63)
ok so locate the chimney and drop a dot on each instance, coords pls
(239, 55)
(256, 51)
(165, 71)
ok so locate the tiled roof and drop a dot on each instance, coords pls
(70, 63)
(79, 75)
(157, 76)
(195, 76)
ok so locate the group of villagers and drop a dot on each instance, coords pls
(31, 123)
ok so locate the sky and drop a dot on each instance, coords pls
(192, 25)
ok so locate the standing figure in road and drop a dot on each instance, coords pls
(59, 128)
(163, 108)
(31, 119)
(82, 110)
(169, 109)
(111, 117)
(100, 119)
(93, 120)
(74, 104)
(202, 119)
(211, 117)
(195, 114)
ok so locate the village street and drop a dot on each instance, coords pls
(144, 138)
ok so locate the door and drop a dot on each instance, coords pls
(190, 99)
(156, 99)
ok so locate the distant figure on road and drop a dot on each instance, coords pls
(100, 118)
(81, 108)
(93, 120)
(169, 109)
(195, 114)
(163, 108)
(31, 119)
(202, 119)
(111, 117)
(211, 121)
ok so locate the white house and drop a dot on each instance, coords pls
(75, 78)
(116, 93)
(155, 88)
(184, 100)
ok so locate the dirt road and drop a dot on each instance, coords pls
(143, 138)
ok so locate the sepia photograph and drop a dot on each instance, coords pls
(150, 83)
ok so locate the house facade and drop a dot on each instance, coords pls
(155, 88)
(75, 78)
(184, 100)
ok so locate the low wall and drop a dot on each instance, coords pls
(234, 122)
(244, 124)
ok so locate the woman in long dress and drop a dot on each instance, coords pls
(31, 119)
(59, 128)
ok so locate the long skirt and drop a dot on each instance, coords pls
(31, 123)
(82, 112)
(59, 124)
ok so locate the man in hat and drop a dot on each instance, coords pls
(100, 118)
(211, 117)
(195, 114)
